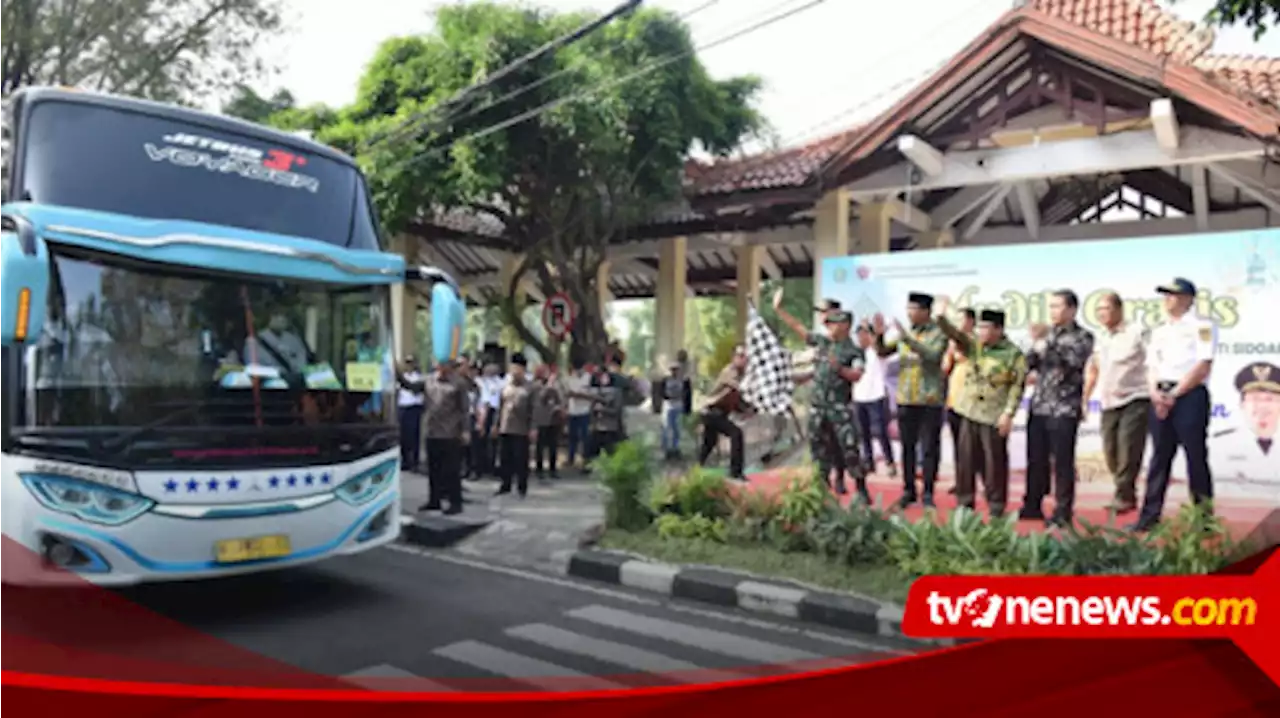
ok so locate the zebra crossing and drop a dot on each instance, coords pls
(603, 647)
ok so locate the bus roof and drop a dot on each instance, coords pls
(179, 114)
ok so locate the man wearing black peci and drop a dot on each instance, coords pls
(920, 349)
(1058, 356)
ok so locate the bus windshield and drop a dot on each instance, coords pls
(104, 159)
(128, 345)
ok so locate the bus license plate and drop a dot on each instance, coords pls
(251, 549)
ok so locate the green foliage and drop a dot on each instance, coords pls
(699, 492)
(802, 502)
(247, 104)
(695, 526)
(166, 50)
(625, 473)
(1258, 15)
(853, 536)
(564, 172)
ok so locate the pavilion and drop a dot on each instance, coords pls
(1059, 114)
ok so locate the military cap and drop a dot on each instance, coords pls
(923, 300)
(828, 305)
(994, 316)
(839, 316)
(519, 360)
(1178, 285)
(1259, 376)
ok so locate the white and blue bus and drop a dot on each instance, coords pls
(197, 369)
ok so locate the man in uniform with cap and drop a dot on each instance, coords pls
(515, 427)
(1179, 361)
(991, 397)
(1252, 446)
(833, 429)
(921, 391)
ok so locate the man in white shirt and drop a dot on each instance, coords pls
(577, 387)
(1119, 369)
(409, 401)
(491, 385)
(871, 400)
(1179, 360)
(278, 346)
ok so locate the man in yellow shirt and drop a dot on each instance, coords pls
(956, 366)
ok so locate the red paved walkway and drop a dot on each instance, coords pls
(1243, 518)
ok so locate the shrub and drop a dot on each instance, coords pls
(698, 492)
(857, 535)
(751, 513)
(802, 501)
(696, 526)
(626, 473)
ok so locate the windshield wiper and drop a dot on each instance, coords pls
(123, 440)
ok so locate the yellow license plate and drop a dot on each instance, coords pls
(251, 549)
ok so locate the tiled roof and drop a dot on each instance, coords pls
(1140, 23)
(1255, 76)
(790, 167)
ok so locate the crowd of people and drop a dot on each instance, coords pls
(476, 419)
(963, 371)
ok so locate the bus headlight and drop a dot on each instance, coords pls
(363, 487)
(85, 500)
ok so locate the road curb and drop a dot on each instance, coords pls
(433, 531)
(847, 612)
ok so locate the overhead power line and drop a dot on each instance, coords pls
(914, 78)
(573, 67)
(469, 91)
(592, 91)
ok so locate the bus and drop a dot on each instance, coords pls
(198, 365)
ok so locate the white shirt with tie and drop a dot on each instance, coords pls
(1178, 345)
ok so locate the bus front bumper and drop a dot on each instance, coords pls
(45, 547)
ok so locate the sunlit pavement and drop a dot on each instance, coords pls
(394, 614)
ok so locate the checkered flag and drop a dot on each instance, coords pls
(768, 384)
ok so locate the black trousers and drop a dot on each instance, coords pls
(484, 446)
(1051, 444)
(513, 462)
(954, 421)
(982, 445)
(444, 471)
(602, 442)
(920, 426)
(716, 424)
(410, 437)
(547, 449)
(1187, 425)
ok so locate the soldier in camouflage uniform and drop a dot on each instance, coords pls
(992, 394)
(833, 429)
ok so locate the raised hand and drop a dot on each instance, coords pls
(942, 304)
(877, 323)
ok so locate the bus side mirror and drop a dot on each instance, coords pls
(448, 311)
(24, 281)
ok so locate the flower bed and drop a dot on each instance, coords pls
(699, 517)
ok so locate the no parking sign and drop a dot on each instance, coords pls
(558, 314)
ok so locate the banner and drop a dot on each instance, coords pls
(1238, 278)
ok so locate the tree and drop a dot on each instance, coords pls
(168, 50)
(247, 104)
(566, 183)
(1257, 15)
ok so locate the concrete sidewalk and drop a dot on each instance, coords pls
(538, 531)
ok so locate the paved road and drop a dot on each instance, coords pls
(402, 612)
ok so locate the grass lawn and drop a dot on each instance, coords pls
(881, 582)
